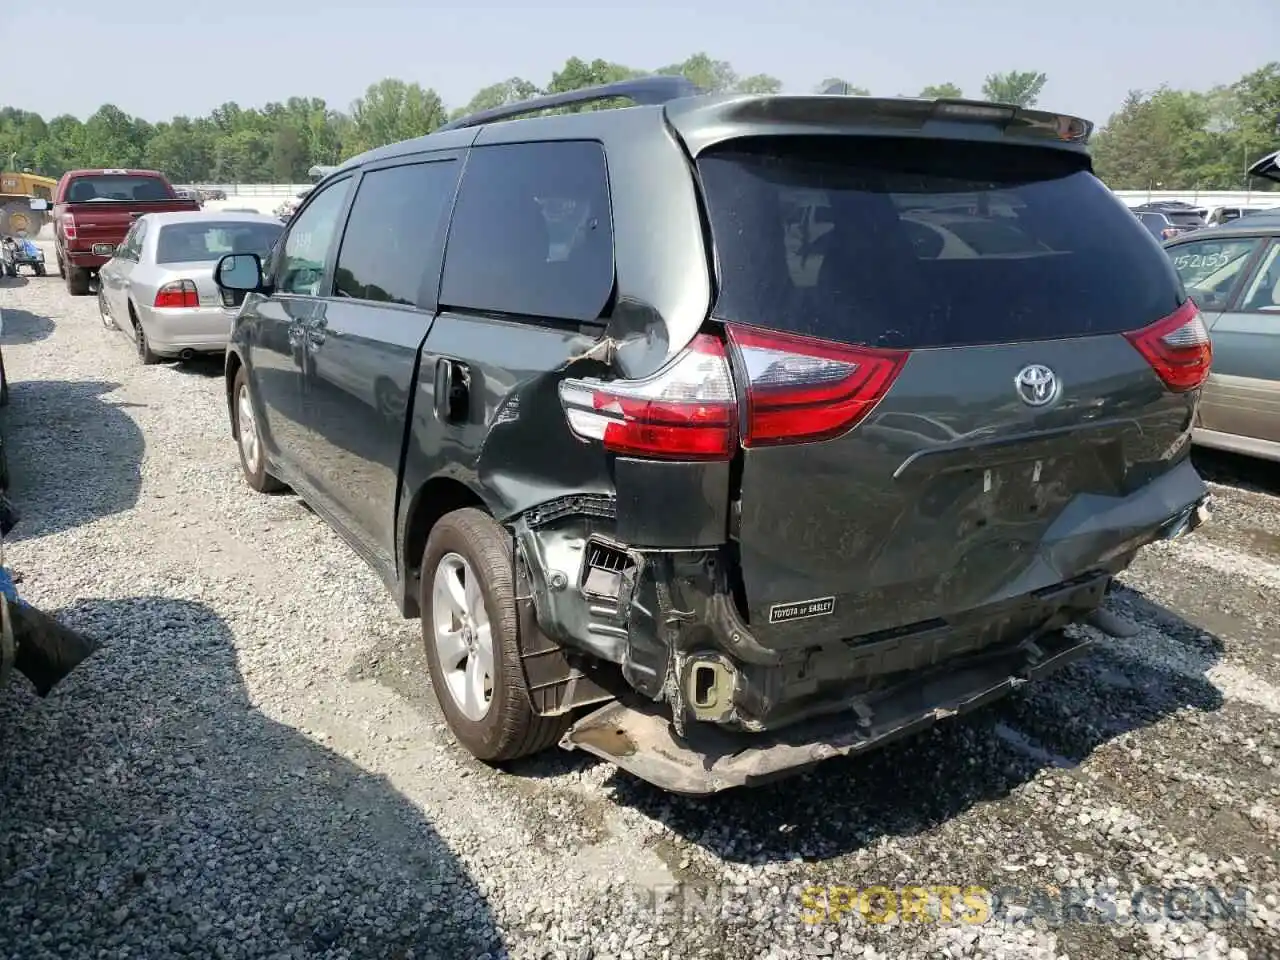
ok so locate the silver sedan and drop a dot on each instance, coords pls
(158, 287)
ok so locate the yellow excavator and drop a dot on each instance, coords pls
(16, 192)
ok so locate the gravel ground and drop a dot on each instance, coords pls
(253, 766)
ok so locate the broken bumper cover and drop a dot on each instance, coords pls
(708, 759)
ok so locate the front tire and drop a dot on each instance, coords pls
(469, 628)
(40, 270)
(253, 460)
(104, 314)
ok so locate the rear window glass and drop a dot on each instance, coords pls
(1186, 219)
(212, 240)
(115, 186)
(913, 243)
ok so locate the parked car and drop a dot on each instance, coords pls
(158, 287)
(1220, 215)
(18, 251)
(93, 209)
(1233, 273)
(1166, 222)
(629, 465)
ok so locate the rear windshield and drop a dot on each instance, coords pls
(213, 239)
(917, 243)
(117, 186)
(1184, 219)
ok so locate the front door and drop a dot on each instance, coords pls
(276, 326)
(1242, 396)
(362, 353)
(113, 278)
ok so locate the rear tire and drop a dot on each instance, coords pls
(146, 355)
(467, 543)
(253, 460)
(77, 281)
(40, 270)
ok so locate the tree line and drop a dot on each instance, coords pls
(1161, 139)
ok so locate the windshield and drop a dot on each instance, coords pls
(899, 244)
(214, 239)
(117, 186)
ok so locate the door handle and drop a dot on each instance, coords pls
(316, 334)
(453, 390)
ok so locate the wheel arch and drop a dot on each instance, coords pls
(233, 366)
(438, 496)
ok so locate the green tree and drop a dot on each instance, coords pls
(498, 95)
(1018, 87)
(392, 110)
(835, 83)
(941, 91)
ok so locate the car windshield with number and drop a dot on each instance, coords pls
(1210, 269)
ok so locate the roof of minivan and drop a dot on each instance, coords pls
(705, 120)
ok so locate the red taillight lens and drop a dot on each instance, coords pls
(800, 389)
(1168, 233)
(1177, 347)
(179, 293)
(69, 226)
(685, 411)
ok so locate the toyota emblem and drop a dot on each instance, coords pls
(1036, 384)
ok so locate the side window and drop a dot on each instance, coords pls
(391, 235)
(131, 247)
(302, 261)
(1263, 294)
(532, 232)
(1211, 270)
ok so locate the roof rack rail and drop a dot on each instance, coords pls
(644, 91)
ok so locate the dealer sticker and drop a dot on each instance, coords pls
(802, 610)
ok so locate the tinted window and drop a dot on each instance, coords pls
(391, 233)
(307, 244)
(116, 186)
(1212, 269)
(199, 242)
(1185, 219)
(532, 232)
(919, 246)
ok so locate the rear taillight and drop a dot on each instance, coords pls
(69, 226)
(1168, 233)
(178, 293)
(685, 411)
(800, 389)
(1177, 347)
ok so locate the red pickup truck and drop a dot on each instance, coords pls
(93, 210)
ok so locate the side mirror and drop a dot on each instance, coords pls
(239, 271)
(39, 203)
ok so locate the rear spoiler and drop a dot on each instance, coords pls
(1268, 168)
(705, 121)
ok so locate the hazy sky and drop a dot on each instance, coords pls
(157, 58)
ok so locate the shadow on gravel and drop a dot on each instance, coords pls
(22, 326)
(147, 807)
(74, 456)
(911, 786)
(1219, 466)
(203, 365)
(20, 280)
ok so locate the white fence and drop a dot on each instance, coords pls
(276, 190)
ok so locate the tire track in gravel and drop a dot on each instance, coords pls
(1156, 739)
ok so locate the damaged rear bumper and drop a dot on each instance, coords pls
(708, 759)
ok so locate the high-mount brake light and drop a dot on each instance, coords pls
(177, 294)
(972, 111)
(685, 411)
(800, 389)
(1177, 347)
